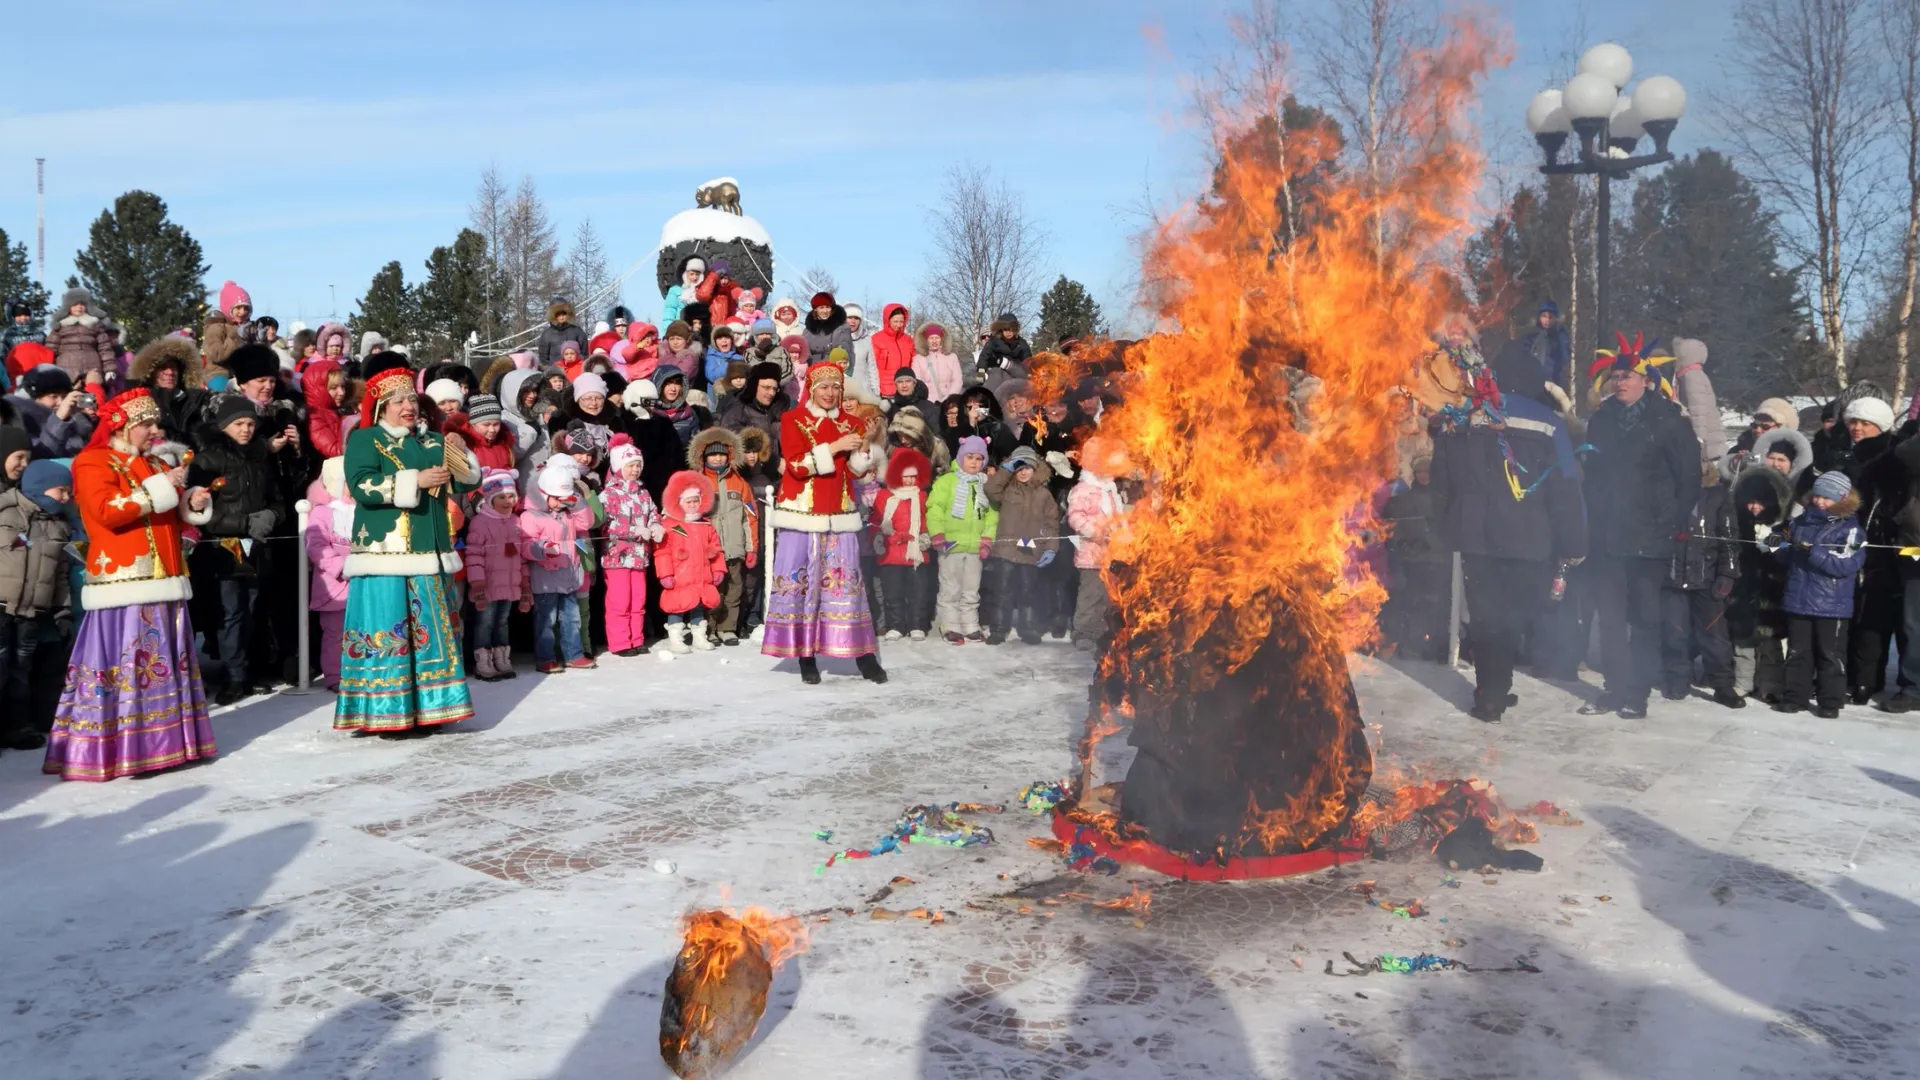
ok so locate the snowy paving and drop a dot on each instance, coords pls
(483, 904)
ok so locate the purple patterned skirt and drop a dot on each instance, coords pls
(816, 599)
(133, 701)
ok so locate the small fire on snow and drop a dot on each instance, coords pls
(717, 991)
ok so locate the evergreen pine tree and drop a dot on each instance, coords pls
(1699, 258)
(143, 270)
(16, 279)
(389, 308)
(463, 294)
(1066, 311)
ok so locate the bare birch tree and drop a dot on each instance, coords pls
(817, 279)
(528, 251)
(1804, 115)
(1360, 53)
(1900, 37)
(587, 280)
(986, 253)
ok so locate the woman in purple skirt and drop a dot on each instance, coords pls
(133, 701)
(816, 598)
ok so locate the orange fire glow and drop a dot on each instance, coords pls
(718, 988)
(1295, 270)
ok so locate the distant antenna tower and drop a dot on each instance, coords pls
(40, 185)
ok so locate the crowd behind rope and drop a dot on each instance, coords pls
(611, 490)
(1781, 564)
(607, 491)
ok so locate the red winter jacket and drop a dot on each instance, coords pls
(891, 351)
(323, 419)
(497, 454)
(690, 557)
(900, 512)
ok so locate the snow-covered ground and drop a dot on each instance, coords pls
(483, 904)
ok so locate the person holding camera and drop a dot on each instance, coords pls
(51, 411)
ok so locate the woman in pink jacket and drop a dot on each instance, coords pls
(937, 368)
(496, 573)
(329, 540)
(1094, 508)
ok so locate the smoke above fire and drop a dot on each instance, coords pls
(1294, 296)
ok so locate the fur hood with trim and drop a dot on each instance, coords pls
(678, 485)
(1761, 484)
(1799, 445)
(172, 349)
(835, 320)
(560, 306)
(490, 379)
(706, 441)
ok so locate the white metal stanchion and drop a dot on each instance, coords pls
(1456, 601)
(303, 587)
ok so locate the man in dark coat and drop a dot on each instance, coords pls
(1005, 350)
(1510, 546)
(1642, 480)
(233, 555)
(759, 404)
(559, 330)
(1548, 345)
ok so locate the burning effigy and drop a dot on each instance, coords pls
(1294, 300)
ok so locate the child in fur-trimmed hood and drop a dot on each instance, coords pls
(903, 546)
(692, 563)
(716, 454)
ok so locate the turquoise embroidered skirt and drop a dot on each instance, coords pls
(399, 657)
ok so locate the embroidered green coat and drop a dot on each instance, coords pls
(398, 529)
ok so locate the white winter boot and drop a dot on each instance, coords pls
(503, 662)
(676, 638)
(700, 640)
(483, 665)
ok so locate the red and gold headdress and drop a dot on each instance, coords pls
(1632, 357)
(826, 371)
(132, 407)
(384, 387)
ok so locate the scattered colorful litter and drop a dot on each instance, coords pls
(823, 834)
(1390, 964)
(1412, 909)
(1041, 796)
(925, 825)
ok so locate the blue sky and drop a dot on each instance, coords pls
(307, 145)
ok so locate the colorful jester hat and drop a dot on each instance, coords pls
(1632, 357)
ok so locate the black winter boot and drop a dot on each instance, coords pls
(870, 668)
(810, 671)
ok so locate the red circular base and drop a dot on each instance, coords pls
(1153, 857)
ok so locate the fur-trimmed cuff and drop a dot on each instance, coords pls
(820, 460)
(406, 488)
(161, 494)
(197, 517)
(860, 462)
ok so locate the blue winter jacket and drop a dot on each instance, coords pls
(715, 368)
(1820, 575)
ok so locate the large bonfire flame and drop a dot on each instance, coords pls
(718, 988)
(1295, 297)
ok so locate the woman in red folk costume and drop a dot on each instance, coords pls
(133, 702)
(818, 601)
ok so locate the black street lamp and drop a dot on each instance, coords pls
(1609, 124)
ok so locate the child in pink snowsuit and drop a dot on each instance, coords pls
(633, 523)
(496, 574)
(329, 540)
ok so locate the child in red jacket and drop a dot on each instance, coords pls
(907, 580)
(690, 561)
